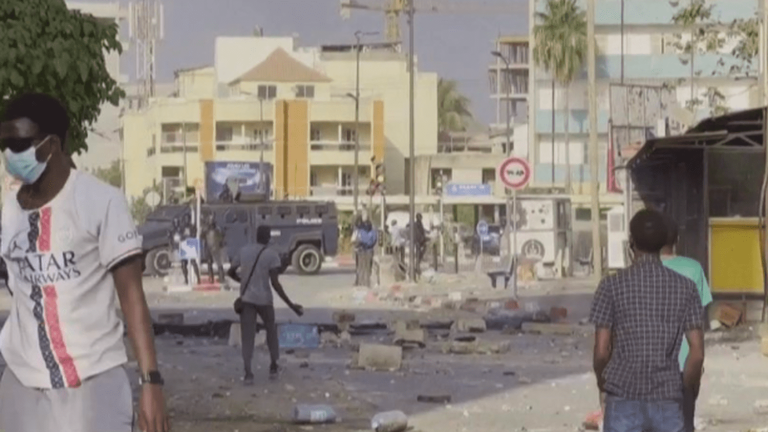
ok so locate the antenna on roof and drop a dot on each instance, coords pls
(258, 31)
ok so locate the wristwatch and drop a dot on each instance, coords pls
(151, 377)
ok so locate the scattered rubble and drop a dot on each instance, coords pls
(313, 414)
(379, 357)
(469, 325)
(391, 421)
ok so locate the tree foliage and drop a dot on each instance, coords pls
(561, 40)
(45, 47)
(111, 174)
(140, 208)
(704, 34)
(452, 107)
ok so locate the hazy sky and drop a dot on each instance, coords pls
(456, 46)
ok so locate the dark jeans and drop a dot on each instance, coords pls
(625, 415)
(186, 272)
(248, 332)
(216, 256)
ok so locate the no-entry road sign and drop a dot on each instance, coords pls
(515, 173)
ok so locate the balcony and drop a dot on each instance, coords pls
(245, 144)
(338, 153)
(178, 148)
(333, 191)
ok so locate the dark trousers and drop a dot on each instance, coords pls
(215, 256)
(184, 270)
(248, 332)
(364, 267)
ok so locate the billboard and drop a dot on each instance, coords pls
(243, 181)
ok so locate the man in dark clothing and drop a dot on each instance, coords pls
(213, 240)
(367, 237)
(641, 315)
(261, 266)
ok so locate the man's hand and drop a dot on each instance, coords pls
(152, 414)
(298, 309)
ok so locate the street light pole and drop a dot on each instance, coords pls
(594, 157)
(512, 245)
(411, 140)
(356, 175)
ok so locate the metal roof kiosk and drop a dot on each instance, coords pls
(712, 181)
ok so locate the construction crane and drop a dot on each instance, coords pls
(393, 9)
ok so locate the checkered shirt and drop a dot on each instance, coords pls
(648, 308)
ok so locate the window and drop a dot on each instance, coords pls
(224, 133)
(489, 175)
(267, 92)
(171, 171)
(261, 134)
(314, 134)
(305, 91)
(346, 179)
(349, 135)
(313, 178)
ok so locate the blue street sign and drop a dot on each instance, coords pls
(482, 229)
(458, 189)
(189, 249)
(298, 336)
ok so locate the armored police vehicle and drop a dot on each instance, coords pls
(303, 232)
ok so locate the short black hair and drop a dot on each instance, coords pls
(648, 230)
(263, 234)
(672, 231)
(47, 112)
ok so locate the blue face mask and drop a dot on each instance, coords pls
(24, 165)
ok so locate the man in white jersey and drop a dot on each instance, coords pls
(72, 252)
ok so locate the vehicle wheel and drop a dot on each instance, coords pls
(158, 261)
(307, 260)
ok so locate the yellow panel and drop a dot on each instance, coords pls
(280, 149)
(379, 140)
(206, 130)
(297, 177)
(734, 256)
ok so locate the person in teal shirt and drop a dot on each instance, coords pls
(691, 269)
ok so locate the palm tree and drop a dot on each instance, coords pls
(452, 107)
(561, 49)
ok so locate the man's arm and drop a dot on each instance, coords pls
(601, 355)
(120, 249)
(274, 277)
(602, 316)
(694, 364)
(693, 325)
(232, 272)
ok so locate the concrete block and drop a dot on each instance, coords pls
(469, 325)
(380, 357)
(549, 329)
(343, 319)
(462, 346)
(411, 337)
(176, 318)
(404, 325)
(235, 336)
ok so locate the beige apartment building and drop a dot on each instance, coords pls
(290, 106)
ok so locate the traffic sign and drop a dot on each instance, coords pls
(189, 249)
(515, 173)
(482, 229)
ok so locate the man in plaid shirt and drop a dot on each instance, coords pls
(641, 315)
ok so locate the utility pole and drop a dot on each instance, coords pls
(184, 153)
(594, 157)
(356, 174)
(512, 245)
(411, 140)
